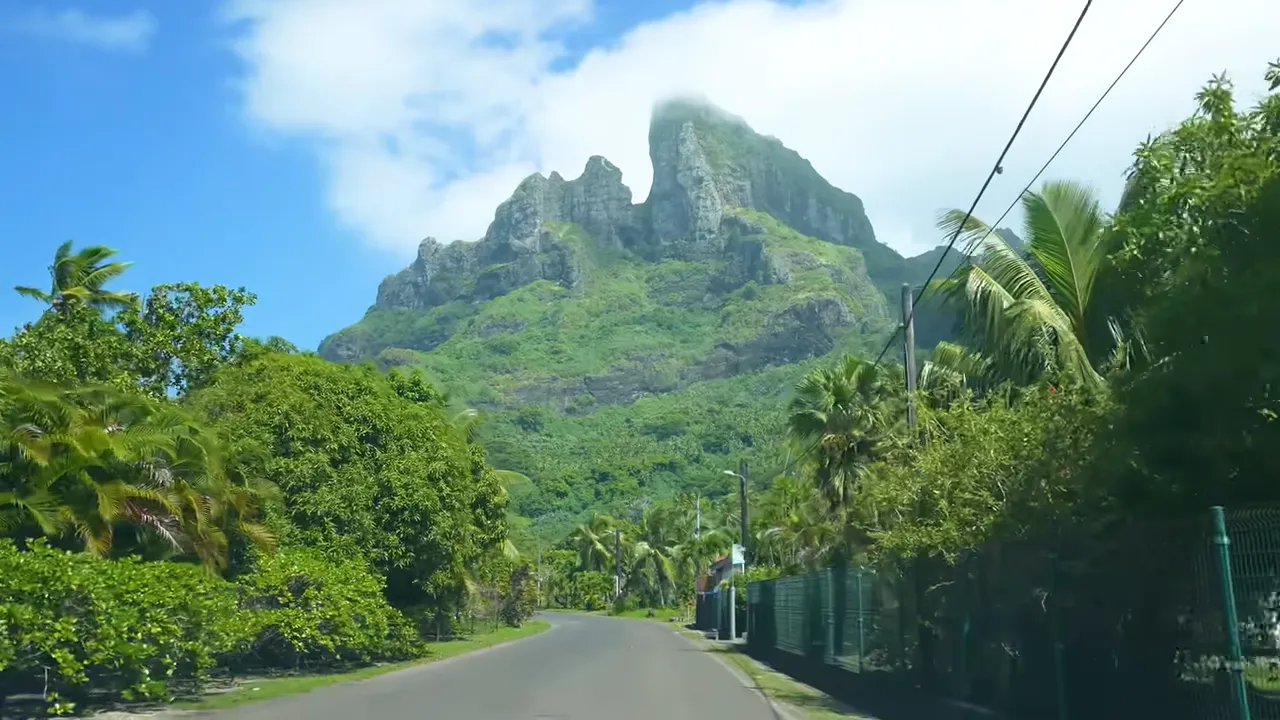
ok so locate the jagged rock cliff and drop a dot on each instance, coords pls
(741, 258)
(518, 249)
(705, 163)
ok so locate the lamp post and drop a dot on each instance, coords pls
(742, 509)
(742, 524)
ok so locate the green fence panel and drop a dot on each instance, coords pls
(1120, 622)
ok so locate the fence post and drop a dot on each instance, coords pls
(962, 655)
(1235, 658)
(840, 588)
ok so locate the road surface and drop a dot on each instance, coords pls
(583, 668)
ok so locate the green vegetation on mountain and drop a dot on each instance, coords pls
(613, 345)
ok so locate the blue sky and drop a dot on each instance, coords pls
(302, 148)
(145, 149)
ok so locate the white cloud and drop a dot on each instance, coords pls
(130, 32)
(426, 122)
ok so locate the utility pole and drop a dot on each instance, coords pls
(742, 520)
(924, 633)
(909, 353)
(742, 509)
(538, 577)
(697, 568)
(617, 563)
(697, 518)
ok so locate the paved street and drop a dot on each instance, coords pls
(584, 668)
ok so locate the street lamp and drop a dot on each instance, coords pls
(742, 510)
(742, 522)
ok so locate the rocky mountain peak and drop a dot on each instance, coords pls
(706, 164)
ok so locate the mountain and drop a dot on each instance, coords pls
(628, 350)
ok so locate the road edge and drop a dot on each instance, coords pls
(780, 709)
(389, 670)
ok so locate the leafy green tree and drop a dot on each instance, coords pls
(173, 342)
(1033, 313)
(80, 279)
(363, 470)
(183, 332)
(1197, 268)
(75, 345)
(793, 527)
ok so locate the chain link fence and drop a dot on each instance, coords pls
(1135, 620)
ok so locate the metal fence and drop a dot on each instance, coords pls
(1118, 622)
(711, 613)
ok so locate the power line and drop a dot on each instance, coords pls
(997, 167)
(1058, 151)
(1083, 120)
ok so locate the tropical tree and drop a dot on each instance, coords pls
(80, 278)
(951, 370)
(652, 571)
(1032, 314)
(841, 423)
(115, 473)
(593, 541)
(794, 530)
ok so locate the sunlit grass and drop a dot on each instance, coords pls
(267, 688)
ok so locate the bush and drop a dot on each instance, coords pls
(123, 627)
(521, 599)
(310, 610)
(127, 629)
(591, 590)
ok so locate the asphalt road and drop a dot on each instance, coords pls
(583, 668)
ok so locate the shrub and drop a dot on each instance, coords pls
(123, 627)
(308, 610)
(591, 590)
(521, 598)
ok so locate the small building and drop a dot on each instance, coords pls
(719, 571)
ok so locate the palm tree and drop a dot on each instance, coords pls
(594, 542)
(80, 466)
(80, 278)
(840, 423)
(950, 369)
(1031, 314)
(653, 570)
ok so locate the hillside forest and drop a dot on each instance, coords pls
(179, 502)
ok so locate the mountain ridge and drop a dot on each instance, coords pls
(705, 162)
(627, 350)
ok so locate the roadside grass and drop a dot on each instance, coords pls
(659, 614)
(663, 615)
(802, 700)
(256, 690)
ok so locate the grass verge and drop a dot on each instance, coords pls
(803, 701)
(267, 688)
(659, 614)
(664, 615)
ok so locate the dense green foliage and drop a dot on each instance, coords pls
(132, 628)
(364, 470)
(180, 501)
(1117, 369)
(125, 627)
(655, 414)
(109, 472)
